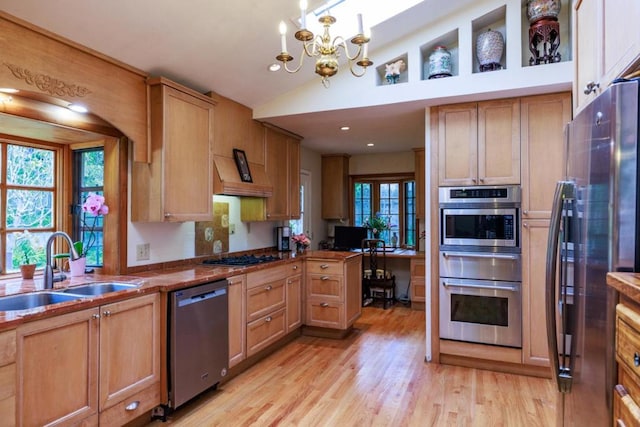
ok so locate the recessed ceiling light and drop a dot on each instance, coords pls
(78, 108)
(274, 67)
(345, 128)
(8, 90)
(370, 144)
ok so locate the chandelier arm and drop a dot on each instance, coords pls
(311, 45)
(341, 42)
(364, 70)
(294, 70)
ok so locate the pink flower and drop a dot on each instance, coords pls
(94, 204)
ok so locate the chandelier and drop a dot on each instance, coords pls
(324, 49)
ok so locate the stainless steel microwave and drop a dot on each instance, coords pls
(480, 216)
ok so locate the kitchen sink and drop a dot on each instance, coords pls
(94, 289)
(34, 300)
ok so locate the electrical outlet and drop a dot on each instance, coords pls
(142, 252)
(232, 228)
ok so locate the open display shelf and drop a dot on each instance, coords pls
(450, 42)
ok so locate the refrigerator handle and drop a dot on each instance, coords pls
(562, 375)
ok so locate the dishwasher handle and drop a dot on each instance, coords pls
(195, 299)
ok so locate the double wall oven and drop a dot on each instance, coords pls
(480, 265)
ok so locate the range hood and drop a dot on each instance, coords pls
(227, 180)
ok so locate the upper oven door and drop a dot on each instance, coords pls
(496, 227)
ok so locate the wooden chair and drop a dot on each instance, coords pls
(378, 283)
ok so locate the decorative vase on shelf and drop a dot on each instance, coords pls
(439, 63)
(27, 271)
(300, 249)
(489, 49)
(543, 9)
(394, 239)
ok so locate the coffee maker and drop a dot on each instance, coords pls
(283, 239)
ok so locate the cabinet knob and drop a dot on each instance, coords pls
(95, 316)
(636, 359)
(481, 179)
(473, 180)
(591, 87)
(132, 406)
(295, 267)
(268, 319)
(525, 212)
(324, 304)
(525, 224)
(167, 215)
(268, 288)
(106, 313)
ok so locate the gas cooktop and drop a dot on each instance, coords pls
(242, 260)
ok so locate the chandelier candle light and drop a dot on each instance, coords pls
(323, 48)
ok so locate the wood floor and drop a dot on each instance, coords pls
(377, 376)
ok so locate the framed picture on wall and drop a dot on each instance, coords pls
(242, 164)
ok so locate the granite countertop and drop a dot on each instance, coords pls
(160, 280)
(625, 283)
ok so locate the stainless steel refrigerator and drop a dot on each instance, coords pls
(594, 230)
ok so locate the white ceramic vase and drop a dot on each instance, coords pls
(489, 47)
(440, 63)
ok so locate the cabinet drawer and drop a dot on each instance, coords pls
(265, 299)
(131, 408)
(264, 331)
(324, 267)
(270, 274)
(324, 285)
(629, 381)
(625, 410)
(325, 313)
(417, 268)
(628, 338)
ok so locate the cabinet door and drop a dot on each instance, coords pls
(133, 325)
(294, 302)
(499, 142)
(418, 280)
(587, 42)
(57, 367)
(8, 377)
(276, 164)
(335, 187)
(621, 47)
(188, 132)
(458, 144)
(543, 119)
(534, 326)
(237, 319)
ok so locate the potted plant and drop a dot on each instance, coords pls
(377, 224)
(93, 207)
(302, 242)
(25, 253)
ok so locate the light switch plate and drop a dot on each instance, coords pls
(142, 252)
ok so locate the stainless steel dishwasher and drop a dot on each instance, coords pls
(198, 340)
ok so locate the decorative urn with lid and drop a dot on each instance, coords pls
(439, 63)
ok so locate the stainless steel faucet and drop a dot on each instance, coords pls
(48, 269)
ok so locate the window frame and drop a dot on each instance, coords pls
(376, 180)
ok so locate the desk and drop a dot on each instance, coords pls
(408, 267)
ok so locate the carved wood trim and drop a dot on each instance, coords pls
(47, 83)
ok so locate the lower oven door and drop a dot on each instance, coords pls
(481, 311)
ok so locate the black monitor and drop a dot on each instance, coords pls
(347, 238)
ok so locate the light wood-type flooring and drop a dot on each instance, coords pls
(376, 376)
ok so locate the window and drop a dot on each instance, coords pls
(393, 197)
(88, 178)
(28, 194)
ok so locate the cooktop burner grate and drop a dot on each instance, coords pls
(242, 260)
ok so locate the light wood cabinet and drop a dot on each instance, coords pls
(335, 187)
(543, 119)
(626, 396)
(603, 46)
(237, 319)
(8, 377)
(535, 349)
(479, 143)
(418, 283)
(77, 361)
(294, 296)
(177, 184)
(282, 166)
(333, 291)
(420, 182)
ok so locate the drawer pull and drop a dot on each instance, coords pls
(132, 406)
(324, 278)
(636, 359)
(324, 304)
(95, 316)
(269, 287)
(295, 267)
(324, 266)
(268, 319)
(107, 313)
